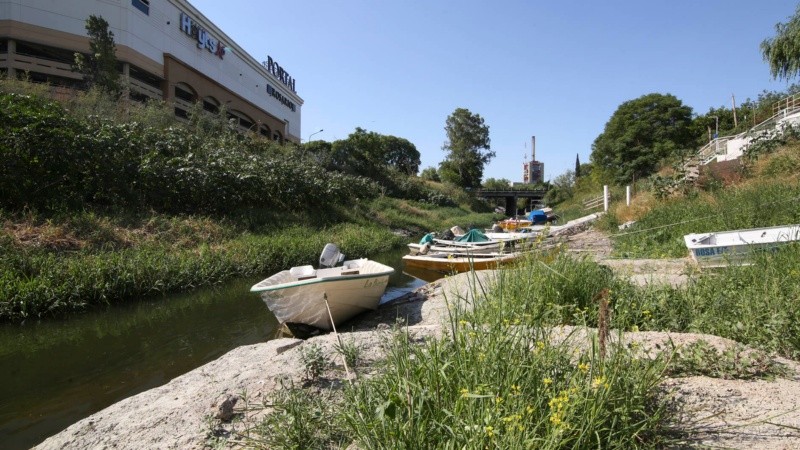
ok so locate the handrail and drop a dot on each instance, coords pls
(791, 102)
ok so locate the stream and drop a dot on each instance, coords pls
(56, 372)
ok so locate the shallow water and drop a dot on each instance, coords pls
(56, 372)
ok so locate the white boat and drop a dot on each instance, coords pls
(719, 249)
(298, 295)
(442, 246)
(472, 242)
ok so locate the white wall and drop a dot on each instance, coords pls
(158, 33)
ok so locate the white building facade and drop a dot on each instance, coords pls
(167, 49)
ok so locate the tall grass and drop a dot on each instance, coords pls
(34, 283)
(660, 232)
(758, 305)
(497, 379)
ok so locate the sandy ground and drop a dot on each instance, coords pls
(711, 413)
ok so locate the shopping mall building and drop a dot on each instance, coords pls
(167, 50)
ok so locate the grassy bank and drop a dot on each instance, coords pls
(103, 200)
(53, 264)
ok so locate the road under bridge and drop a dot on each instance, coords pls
(511, 196)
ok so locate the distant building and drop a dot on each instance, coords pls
(533, 171)
(167, 50)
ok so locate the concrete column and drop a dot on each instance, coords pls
(12, 51)
(628, 195)
(605, 197)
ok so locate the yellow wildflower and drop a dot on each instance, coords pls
(583, 367)
(547, 381)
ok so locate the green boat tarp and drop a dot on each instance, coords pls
(473, 235)
(428, 238)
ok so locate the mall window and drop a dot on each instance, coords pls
(182, 92)
(211, 105)
(142, 5)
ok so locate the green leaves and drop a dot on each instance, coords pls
(640, 134)
(469, 146)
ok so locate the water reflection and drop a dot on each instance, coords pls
(53, 373)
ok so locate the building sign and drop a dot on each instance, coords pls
(282, 75)
(281, 98)
(204, 38)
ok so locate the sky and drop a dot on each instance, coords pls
(556, 70)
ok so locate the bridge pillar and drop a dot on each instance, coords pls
(511, 206)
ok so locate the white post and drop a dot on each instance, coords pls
(628, 195)
(605, 198)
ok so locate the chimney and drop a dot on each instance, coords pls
(533, 148)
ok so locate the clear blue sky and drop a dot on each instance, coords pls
(556, 70)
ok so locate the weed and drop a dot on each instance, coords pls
(350, 351)
(314, 360)
(735, 362)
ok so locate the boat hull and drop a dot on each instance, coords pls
(721, 249)
(294, 300)
(483, 248)
(450, 263)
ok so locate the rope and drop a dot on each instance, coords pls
(339, 338)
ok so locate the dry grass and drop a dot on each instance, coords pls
(641, 203)
(90, 232)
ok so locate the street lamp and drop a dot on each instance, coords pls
(316, 132)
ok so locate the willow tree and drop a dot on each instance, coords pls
(782, 52)
(468, 148)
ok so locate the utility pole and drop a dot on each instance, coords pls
(735, 122)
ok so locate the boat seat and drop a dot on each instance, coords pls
(350, 269)
(303, 272)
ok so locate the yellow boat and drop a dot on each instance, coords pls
(514, 224)
(457, 263)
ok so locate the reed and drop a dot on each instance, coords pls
(37, 283)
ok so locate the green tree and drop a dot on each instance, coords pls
(368, 154)
(782, 52)
(400, 154)
(577, 166)
(562, 188)
(640, 134)
(430, 173)
(468, 147)
(496, 184)
(99, 67)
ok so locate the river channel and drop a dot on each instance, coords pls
(56, 372)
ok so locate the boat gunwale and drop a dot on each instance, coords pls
(698, 236)
(316, 280)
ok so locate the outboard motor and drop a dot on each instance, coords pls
(331, 256)
(426, 247)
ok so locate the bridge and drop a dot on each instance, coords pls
(510, 195)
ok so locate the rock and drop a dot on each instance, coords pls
(225, 412)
